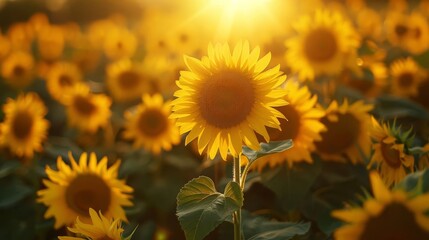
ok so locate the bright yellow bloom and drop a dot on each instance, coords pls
(61, 79)
(303, 126)
(119, 43)
(18, 69)
(390, 153)
(100, 228)
(50, 42)
(149, 125)
(325, 43)
(226, 97)
(347, 132)
(87, 111)
(24, 127)
(406, 77)
(389, 215)
(71, 191)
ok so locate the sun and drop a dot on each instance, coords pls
(71, 191)
(226, 97)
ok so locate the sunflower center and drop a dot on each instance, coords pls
(18, 71)
(88, 191)
(183, 38)
(390, 155)
(129, 79)
(65, 80)
(22, 124)
(227, 98)
(290, 127)
(105, 238)
(401, 30)
(406, 79)
(152, 123)
(396, 222)
(340, 135)
(84, 106)
(320, 45)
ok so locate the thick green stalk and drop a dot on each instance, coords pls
(237, 214)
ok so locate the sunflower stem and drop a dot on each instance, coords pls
(237, 214)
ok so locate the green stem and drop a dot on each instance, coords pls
(237, 214)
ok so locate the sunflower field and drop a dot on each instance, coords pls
(214, 119)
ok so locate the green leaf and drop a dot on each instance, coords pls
(390, 107)
(8, 167)
(200, 208)
(417, 182)
(12, 191)
(267, 149)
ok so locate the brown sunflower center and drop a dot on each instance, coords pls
(129, 79)
(320, 45)
(396, 222)
(88, 191)
(22, 125)
(84, 105)
(105, 238)
(340, 135)
(406, 79)
(183, 38)
(227, 98)
(290, 127)
(391, 156)
(152, 123)
(401, 30)
(65, 80)
(18, 71)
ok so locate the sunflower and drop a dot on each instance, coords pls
(326, 43)
(50, 42)
(126, 81)
(391, 152)
(18, 69)
(71, 191)
(24, 127)
(347, 132)
(4, 47)
(150, 126)
(119, 43)
(303, 126)
(406, 77)
(225, 98)
(100, 228)
(61, 78)
(424, 158)
(418, 40)
(389, 215)
(87, 111)
(20, 36)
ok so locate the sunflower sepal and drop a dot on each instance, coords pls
(129, 237)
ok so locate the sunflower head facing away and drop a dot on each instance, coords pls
(325, 43)
(347, 132)
(389, 215)
(226, 97)
(302, 125)
(99, 228)
(391, 156)
(71, 191)
(24, 127)
(150, 126)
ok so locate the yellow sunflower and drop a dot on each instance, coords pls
(126, 81)
(149, 125)
(303, 126)
(406, 77)
(61, 78)
(87, 111)
(50, 42)
(71, 191)
(100, 228)
(18, 69)
(4, 47)
(119, 43)
(347, 132)
(418, 34)
(226, 97)
(325, 43)
(389, 215)
(24, 127)
(391, 152)
(20, 36)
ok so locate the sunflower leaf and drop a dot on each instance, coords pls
(200, 208)
(267, 149)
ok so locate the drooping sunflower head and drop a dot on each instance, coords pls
(18, 69)
(99, 228)
(119, 43)
(406, 77)
(61, 79)
(24, 127)
(391, 155)
(126, 81)
(347, 132)
(226, 97)
(71, 191)
(389, 215)
(149, 125)
(325, 44)
(302, 125)
(85, 110)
